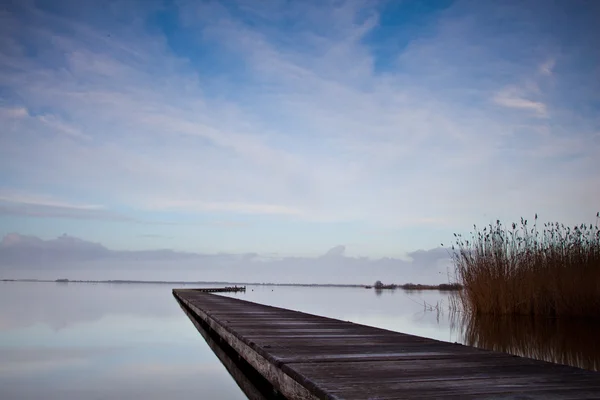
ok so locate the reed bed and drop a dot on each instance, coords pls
(520, 270)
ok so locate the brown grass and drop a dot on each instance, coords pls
(524, 271)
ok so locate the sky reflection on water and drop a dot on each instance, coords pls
(104, 341)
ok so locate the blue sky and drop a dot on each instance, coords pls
(290, 127)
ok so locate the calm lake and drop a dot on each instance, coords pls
(113, 341)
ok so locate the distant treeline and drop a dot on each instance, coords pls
(413, 286)
(442, 286)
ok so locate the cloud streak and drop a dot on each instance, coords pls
(511, 98)
(326, 115)
(18, 204)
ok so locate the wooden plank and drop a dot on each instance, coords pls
(312, 357)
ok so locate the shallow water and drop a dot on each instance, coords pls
(105, 341)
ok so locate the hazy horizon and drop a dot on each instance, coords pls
(29, 257)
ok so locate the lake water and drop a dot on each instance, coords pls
(113, 341)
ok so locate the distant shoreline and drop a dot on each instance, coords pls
(121, 281)
(412, 286)
(125, 281)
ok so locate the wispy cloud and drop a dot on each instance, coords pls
(55, 123)
(513, 97)
(9, 113)
(547, 67)
(20, 204)
(243, 208)
(527, 96)
(154, 236)
(45, 211)
(300, 113)
(48, 201)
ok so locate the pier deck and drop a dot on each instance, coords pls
(311, 357)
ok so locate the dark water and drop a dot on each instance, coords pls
(102, 341)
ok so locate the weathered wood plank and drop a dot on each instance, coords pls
(311, 357)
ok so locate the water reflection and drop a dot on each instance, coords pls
(396, 310)
(71, 341)
(565, 341)
(250, 381)
(79, 341)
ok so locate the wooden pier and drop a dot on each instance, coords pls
(305, 356)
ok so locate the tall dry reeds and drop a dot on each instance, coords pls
(524, 271)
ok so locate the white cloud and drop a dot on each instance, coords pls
(514, 97)
(303, 125)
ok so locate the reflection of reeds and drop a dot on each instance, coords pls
(523, 271)
(565, 341)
